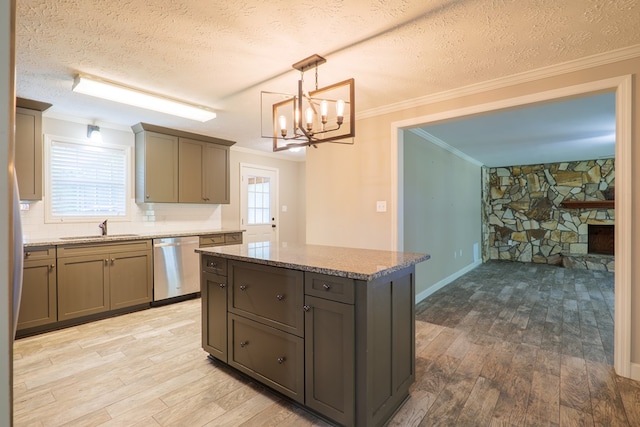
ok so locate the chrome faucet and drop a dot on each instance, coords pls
(103, 227)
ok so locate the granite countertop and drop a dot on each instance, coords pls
(360, 264)
(71, 240)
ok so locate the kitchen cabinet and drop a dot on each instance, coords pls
(340, 346)
(266, 325)
(28, 157)
(156, 168)
(221, 239)
(213, 292)
(330, 346)
(173, 166)
(203, 172)
(38, 305)
(97, 278)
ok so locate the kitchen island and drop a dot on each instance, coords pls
(331, 328)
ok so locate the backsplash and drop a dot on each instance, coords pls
(145, 218)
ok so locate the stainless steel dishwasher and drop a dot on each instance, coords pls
(176, 267)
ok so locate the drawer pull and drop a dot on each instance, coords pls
(326, 286)
(27, 254)
(222, 285)
(280, 297)
(281, 360)
(212, 264)
(306, 308)
(243, 287)
(244, 343)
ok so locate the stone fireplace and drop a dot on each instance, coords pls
(601, 239)
(556, 213)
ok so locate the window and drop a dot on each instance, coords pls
(258, 200)
(86, 181)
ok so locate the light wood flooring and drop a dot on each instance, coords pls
(508, 344)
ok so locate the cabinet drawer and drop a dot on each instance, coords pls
(267, 294)
(274, 357)
(213, 264)
(34, 253)
(334, 288)
(104, 248)
(212, 240)
(233, 238)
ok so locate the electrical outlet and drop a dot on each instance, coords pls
(381, 206)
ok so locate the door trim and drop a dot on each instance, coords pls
(623, 88)
(276, 171)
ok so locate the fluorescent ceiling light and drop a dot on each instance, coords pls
(116, 92)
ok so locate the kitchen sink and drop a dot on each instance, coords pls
(96, 237)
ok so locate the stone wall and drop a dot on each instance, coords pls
(525, 221)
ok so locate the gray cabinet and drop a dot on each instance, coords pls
(329, 340)
(203, 172)
(173, 166)
(97, 278)
(38, 305)
(29, 153)
(341, 347)
(213, 290)
(156, 168)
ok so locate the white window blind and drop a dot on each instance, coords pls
(87, 180)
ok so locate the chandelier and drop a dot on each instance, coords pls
(309, 118)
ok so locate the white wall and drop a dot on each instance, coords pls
(7, 96)
(442, 211)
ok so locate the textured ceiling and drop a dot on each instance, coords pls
(223, 53)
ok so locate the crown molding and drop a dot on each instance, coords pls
(440, 143)
(617, 55)
(84, 121)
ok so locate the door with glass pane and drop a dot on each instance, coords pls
(258, 202)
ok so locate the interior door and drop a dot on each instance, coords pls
(258, 203)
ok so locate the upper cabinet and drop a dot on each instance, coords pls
(28, 158)
(180, 167)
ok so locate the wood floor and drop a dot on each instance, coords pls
(508, 344)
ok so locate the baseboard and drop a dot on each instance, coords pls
(635, 371)
(444, 282)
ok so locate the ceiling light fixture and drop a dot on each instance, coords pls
(93, 133)
(111, 91)
(303, 119)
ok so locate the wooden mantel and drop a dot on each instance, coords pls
(588, 204)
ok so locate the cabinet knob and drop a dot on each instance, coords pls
(222, 285)
(52, 266)
(281, 360)
(244, 343)
(243, 287)
(306, 308)
(113, 260)
(326, 286)
(213, 264)
(280, 297)
(27, 254)
(148, 196)
(106, 262)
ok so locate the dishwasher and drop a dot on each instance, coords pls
(176, 268)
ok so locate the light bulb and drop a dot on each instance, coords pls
(283, 125)
(340, 111)
(309, 118)
(324, 110)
